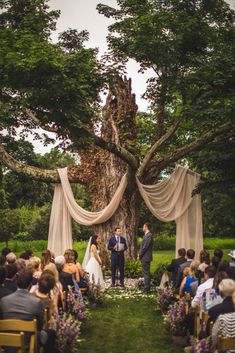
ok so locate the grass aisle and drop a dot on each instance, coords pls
(126, 325)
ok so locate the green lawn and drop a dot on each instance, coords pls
(126, 326)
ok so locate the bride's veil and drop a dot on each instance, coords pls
(87, 254)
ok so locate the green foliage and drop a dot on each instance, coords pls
(10, 223)
(133, 268)
(59, 82)
(159, 270)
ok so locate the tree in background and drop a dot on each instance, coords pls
(189, 47)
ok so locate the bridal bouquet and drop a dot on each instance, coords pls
(67, 331)
(176, 317)
(165, 297)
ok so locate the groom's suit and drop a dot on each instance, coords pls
(146, 256)
(117, 257)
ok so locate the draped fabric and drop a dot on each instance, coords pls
(169, 200)
(64, 207)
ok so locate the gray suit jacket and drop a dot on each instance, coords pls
(22, 305)
(146, 248)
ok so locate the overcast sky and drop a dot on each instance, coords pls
(82, 14)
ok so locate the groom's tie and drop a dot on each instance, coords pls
(117, 243)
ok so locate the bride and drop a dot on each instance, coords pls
(92, 262)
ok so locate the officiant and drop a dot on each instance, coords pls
(117, 245)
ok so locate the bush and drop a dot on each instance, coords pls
(133, 269)
(23, 236)
(166, 242)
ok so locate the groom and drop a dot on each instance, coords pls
(146, 255)
(117, 246)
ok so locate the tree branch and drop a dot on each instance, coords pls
(38, 122)
(46, 175)
(156, 145)
(118, 150)
(209, 136)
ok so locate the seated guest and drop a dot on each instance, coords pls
(46, 283)
(11, 258)
(190, 254)
(82, 283)
(21, 305)
(210, 272)
(10, 281)
(46, 258)
(226, 289)
(3, 290)
(231, 268)
(2, 260)
(35, 265)
(204, 262)
(218, 253)
(223, 266)
(211, 296)
(66, 279)
(69, 266)
(57, 291)
(232, 254)
(215, 261)
(175, 263)
(5, 251)
(21, 264)
(26, 255)
(189, 278)
(224, 326)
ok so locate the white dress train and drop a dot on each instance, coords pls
(94, 269)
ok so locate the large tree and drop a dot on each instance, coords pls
(188, 45)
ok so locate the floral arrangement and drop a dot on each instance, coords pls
(165, 298)
(75, 305)
(95, 293)
(67, 330)
(176, 316)
(199, 346)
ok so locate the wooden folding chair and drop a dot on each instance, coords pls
(225, 344)
(205, 317)
(197, 321)
(12, 340)
(25, 326)
(46, 318)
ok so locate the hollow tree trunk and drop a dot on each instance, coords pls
(105, 170)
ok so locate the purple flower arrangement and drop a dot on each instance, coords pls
(165, 298)
(95, 293)
(67, 331)
(175, 318)
(75, 304)
(199, 346)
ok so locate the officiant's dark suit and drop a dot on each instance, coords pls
(146, 256)
(117, 257)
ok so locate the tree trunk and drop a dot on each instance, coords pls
(105, 170)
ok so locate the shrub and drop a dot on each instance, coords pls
(133, 269)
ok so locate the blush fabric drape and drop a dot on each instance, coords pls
(171, 200)
(168, 200)
(64, 207)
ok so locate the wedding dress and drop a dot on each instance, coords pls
(92, 266)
